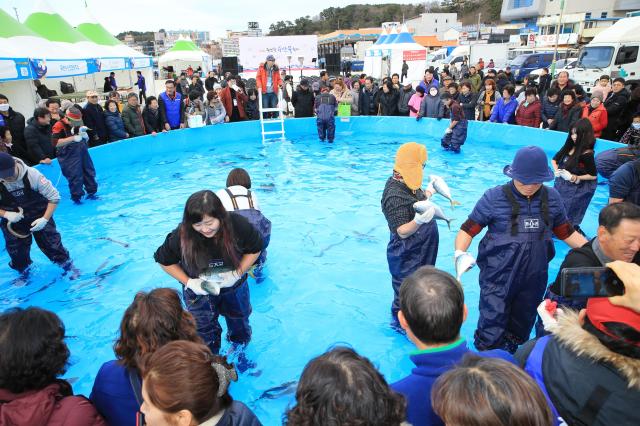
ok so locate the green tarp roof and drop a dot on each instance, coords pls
(98, 34)
(53, 27)
(9, 27)
(182, 45)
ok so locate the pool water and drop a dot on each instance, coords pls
(328, 281)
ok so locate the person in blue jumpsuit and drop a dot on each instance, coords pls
(456, 133)
(514, 255)
(27, 203)
(414, 237)
(326, 106)
(238, 198)
(575, 171)
(624, 184)
(209, 253)
(70, 137)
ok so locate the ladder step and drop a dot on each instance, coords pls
(273, 133)
(273, 120)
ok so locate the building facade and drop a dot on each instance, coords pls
(434, 24)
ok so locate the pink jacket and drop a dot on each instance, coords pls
(414, 105)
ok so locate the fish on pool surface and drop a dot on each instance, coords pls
(442, 188)
(275, 392)
(423, 206)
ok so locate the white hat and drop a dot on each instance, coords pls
(216, 86)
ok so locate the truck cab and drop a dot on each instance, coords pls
(613, 52)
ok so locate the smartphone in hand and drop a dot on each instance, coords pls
(590, 282)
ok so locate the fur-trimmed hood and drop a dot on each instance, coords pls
(570, 334)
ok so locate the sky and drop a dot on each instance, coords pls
(204, 15)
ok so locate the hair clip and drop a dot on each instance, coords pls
(225, 376)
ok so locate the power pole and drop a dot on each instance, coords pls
(555, 50)
(15, 9)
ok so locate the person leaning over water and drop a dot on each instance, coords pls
(209, 253)
(414, 237)
(514, 254)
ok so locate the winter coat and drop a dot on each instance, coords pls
(414, 105)
(504, 112)
(38, 141)
(426, 86)
(564, 123)
(214, 114)
(369, 101)
(251, 109)
(262, 78)
(598, 118)
(548, 110)
(209, 82)
(227, 100)
(302, 101)
(133, 121)
(501, 83)
(152, 120)
(355, 102)
(403, 101)
(431, 106)
(630, 109)
(543, 84)
(579, 374)
(389, 103)
(476, 82)
(631, 136)
(93, 118)
(15, 122)
(615, 104)
(198, 88)
(54, 405)
(464, 71)
(480, 99)
(529, 115)
(468, 104)
(343, 96)
(115, 126)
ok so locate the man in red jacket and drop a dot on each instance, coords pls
(268, 82)
(529, 111)
(597, 114)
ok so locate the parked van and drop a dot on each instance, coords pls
(522, 65)
(613, 52)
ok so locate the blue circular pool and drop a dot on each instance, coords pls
(328, 280)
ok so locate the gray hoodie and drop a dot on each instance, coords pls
(403, 101)
(38, 182)
(431, 106)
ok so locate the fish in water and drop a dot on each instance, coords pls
(114, 241)
(442, 188)
(267, 187)
(422, 206)
(464, 262)
(279, 391)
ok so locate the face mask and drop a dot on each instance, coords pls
(433, 92)
(636, 126)
(4, 107)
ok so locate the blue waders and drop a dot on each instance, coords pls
(408, 254)
(233, 303)
(262, 225)
(610, 160)
(77, 167)
(454, 140)
(575, 197)
(48, 239)
(513, 275)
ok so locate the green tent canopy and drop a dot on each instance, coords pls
(53, 27)
(184, 45)
(98, 34)
(9, 27)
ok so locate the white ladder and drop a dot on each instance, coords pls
(271, 121)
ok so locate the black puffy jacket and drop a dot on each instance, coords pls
(38, 140)
(302, 101)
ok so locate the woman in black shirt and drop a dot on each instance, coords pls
(575, 171)
(210, 253)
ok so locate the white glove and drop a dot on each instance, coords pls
(38, 224)
(549, 319)
(556, 173)
(426, 216)
(77, 138)
(13, 217)
(449, 130)
(463, 261)
(83, 129)
(565, 174)
(224, 279)
(195, 285)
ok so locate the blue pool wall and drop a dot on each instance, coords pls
(406, 129)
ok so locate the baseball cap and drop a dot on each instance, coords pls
(601, 312)
(7, 165)
(529, 166)
(410, 159)
(271, 58)
(74, 115)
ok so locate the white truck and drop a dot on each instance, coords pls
(472, 53)
(613, 52)
(436, 58)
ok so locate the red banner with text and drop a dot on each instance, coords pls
(414, 55)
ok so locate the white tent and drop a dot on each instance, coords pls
(373, 56)
(183, 54)
(406, 48)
